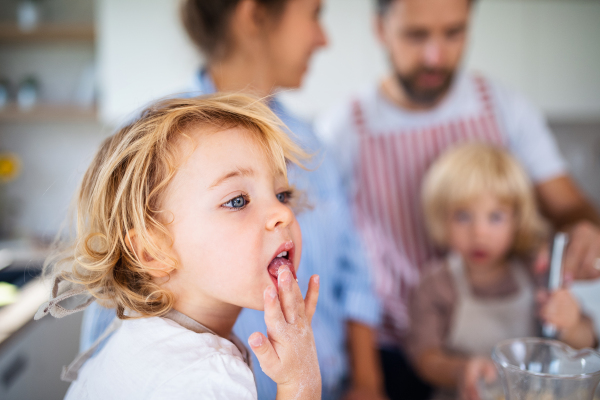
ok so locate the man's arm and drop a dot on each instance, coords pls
(568, 209)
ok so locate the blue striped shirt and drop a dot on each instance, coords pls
(331, 249)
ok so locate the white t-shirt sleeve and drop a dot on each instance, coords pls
(529, 137)
(214, 377)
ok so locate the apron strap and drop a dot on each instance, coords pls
(53, 306)
(69, 373)
(195, 326)
(359, 118)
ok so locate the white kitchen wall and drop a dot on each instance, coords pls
(143, 54)
(547, 49)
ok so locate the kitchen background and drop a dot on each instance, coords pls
(85, 65)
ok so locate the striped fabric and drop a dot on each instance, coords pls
(389, 172)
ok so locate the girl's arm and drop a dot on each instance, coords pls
(288, 355)
(439, 368)
(454, 372)
(562, 310)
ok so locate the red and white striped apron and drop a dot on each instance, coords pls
(389, 172)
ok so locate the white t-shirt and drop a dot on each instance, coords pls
(529, 138)
(156, 358)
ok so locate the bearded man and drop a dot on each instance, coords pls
(385, 139)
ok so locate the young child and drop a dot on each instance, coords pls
(480, 207)
(183, 218)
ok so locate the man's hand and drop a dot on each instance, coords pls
(561, 309)
(566, 206)
(581, 259)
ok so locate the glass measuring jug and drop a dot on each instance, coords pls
(543, 369)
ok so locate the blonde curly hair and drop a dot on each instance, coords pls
(121, 191)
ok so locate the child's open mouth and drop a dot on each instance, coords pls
(284, 256)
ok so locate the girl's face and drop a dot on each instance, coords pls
(231, 218)
(293, 39)
(482, 230)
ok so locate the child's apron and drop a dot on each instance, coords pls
(69, 373)
(53, 307)
(478, 324)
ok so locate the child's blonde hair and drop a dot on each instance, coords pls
(465, 172)
(121, 191)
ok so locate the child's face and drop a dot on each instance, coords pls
(482, 230)
(231, 219)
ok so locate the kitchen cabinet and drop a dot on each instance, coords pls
(31, 360)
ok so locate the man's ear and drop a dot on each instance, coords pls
(156, 267)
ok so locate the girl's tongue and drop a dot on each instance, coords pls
(279, 262)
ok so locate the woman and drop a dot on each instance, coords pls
(257, 47)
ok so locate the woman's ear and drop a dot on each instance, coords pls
(155, 266)
(248, 19)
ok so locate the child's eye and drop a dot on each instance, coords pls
(238, 202)
(284, 197)
(497, 216)
(462, 216)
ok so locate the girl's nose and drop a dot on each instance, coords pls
(280, 217)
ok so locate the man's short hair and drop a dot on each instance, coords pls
(384, 5)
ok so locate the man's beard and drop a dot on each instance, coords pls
(425, 96)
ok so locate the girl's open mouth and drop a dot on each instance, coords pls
(283, 256)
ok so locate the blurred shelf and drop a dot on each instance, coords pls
(47, 112)
(10, 33)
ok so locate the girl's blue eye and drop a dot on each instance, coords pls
(284, 197)
(462, 216)
(497, 216)
(238, 202)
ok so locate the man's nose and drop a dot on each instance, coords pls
(280, 216)
(432, 54)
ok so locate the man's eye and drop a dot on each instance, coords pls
(237, 202)
(284, 197)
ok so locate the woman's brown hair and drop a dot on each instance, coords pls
(207, 22)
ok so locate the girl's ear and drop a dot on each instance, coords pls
(156, 267)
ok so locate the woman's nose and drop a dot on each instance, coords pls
(321, 40)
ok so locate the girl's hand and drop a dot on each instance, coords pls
(288, 355)
(475, 369)
(562, 310)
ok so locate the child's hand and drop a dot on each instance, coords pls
(475, 369)
(562, 310)
(288, 355)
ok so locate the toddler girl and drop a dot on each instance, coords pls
(183, 218)
(480, 206)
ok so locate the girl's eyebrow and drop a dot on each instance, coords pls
(232, 174)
